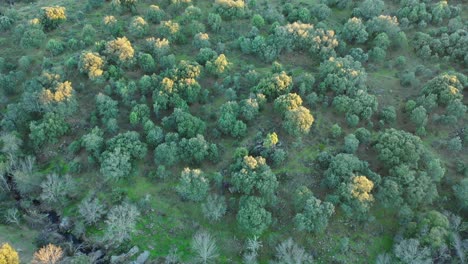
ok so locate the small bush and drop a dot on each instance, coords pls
(55, 47)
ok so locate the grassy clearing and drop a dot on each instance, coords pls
(21, 239)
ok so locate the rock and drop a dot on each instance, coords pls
(124, 257)
(142, 258)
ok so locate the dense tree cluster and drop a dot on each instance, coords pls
(121, 49)
(251, 175)
(136, 103)
(352, 182)
(413, 173)
(230, 9)
(120, 151)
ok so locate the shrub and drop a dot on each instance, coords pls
(351, 143)
(120, 223)
(354, 31)
(91, 210)
(204, 246)
(157, 47)
(298, 121)
(170, 30)
(6, 23)
(33, 38)
(55, 47)
(193, 185)
(289, 252)
(52, 17)
(154, 14)
(258, 21)
(214, 208)
(214, 21)
(48, 254)
(147, 63)
(88, 34)
(230, 9)
(218, 65)
(201, 40)
(314, 215)
(8, 255)
(56, 188)
(138, 26)
(92, 64)
(336, 131)
(120, 48)
(252, 217)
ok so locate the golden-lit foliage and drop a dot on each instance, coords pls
(121, 48)
(61, 92)
(170, 27)
(91, 63)
(8, 255)
(361, 188)
(230, 3)
(271, 140)
(49, 254)
(109, 20)
(34, 22)
(139, 22)
(253, 162)
(55, 13)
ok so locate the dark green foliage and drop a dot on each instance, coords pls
(369, 9)
(251, 175)
(205, 55)
(129, 142)
(419, 116)
(446, 87)
(166, 154)
(336, 131)
(106, 107)
(93, 142)
(383, 23)
(33, 38)
(121, 150)
(214, 21)
(147, 63)
(252, 217)
(197, 149)
(47, 130)
(184, 123)
(388, 114)
(354, 31)
(228, 122)
(321, 11)
(155, 14)
(351, 143)
(461, 193)
(352, 182)
(314, 215)
(342, 76)
(397, 147)
(55, 47)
